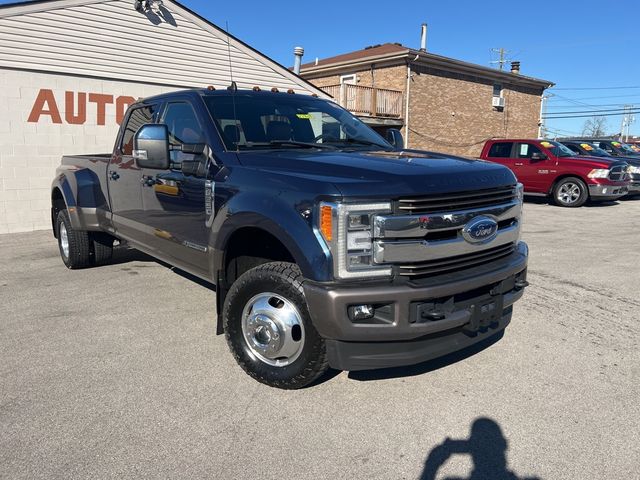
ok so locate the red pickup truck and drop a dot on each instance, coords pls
(548, 168)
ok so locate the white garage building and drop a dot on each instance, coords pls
(70, 68)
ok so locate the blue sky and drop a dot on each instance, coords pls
(584, 44)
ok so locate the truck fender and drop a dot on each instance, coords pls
(565, 175)
(278, 218)
(83, 197)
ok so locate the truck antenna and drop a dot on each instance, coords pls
(234, 88)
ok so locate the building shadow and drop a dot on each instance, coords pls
(487, 447)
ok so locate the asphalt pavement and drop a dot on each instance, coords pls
(116, 372)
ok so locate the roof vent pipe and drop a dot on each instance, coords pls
(515, 67)
(423, 38)
(298, 52)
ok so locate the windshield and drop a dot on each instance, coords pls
(624, 147)
(558, 149)
(259, 122)
(593, 151)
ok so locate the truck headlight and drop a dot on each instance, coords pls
(633, 169)
(347, 230)
(599, 173)
(520, 192)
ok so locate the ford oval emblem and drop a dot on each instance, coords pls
(480, 230)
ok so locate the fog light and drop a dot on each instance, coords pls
(361, 312)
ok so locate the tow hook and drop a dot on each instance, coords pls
(520, 284)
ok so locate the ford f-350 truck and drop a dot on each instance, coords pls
(327, 244)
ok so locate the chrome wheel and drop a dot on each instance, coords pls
(569, 193)
(64, 240)
(273, 329)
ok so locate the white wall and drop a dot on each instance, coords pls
(31, 151)
(110, 39)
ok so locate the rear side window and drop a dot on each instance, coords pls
(500, 150)
(573, 148)
(139, 117)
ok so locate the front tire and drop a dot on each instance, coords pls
(570, 192)
(269, 329)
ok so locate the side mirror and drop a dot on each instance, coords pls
(394, 137)
(538, 156)
(151, 146)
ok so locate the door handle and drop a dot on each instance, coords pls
(114, 175)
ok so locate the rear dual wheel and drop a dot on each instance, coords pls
(79, 248)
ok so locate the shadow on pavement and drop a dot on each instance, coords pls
(425, 367)
(125, 254)
(487, 447)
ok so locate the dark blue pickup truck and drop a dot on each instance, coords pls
(327, 244)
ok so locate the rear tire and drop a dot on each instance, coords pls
(269, 330)
(102, 244)
(570, 192)
(74, 245)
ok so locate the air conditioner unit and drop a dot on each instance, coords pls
(498, 102)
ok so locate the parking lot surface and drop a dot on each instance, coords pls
(116, 372)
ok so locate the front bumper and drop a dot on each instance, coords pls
(422, 322)
(613, 190)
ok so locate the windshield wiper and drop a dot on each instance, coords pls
(293, 143)
(366, 143)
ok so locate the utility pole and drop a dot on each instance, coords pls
(627, 120)
(502, 57)
(543, 112)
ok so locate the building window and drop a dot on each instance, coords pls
(497, 90)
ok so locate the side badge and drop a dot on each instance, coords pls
(209, 201)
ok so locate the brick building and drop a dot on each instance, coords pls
(440, 103)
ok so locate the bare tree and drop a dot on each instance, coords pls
(595, 127)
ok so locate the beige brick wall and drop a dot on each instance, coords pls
(393, 78)
(31, 150)
(452, 113)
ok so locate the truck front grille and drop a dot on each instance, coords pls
(459, 262)
(618, 173)
(456, 201)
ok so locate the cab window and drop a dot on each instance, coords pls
(184, 129)
(500, 150)
(526, 150)
(138, 117)
(573, 148)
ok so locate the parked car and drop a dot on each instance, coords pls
(614, 148)
(548, 168)
(589, 149)
(327, 245)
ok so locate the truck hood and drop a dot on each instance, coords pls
(593, 162)
(384, 174)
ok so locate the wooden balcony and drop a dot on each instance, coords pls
(367, 101)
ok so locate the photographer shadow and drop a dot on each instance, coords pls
(487, 448)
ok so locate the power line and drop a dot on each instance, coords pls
(580, 106)
(596, 88)
(607, 110)
(592, 115)
(606, 96)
